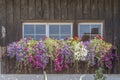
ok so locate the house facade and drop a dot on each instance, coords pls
(58, 19)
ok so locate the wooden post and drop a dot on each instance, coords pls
(0, 58)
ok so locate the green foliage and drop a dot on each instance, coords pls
(99, 74)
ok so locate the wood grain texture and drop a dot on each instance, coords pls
(45, 9)
(2, 21)
(71, 10)
(64, 9)
(94, 9)
(79, 8)
(17, 23)
(101, 9)
(52, 10)
(86, 9)
(10, 31)
(24, 9)
(31, 9)
(3, 41)
(109, 18)
(38, 9)
(57, 9)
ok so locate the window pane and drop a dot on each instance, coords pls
(65, 29)
(40, 29)
(28, 29)
(31, 36)
(95, 28)
(84, 29)
(38, 37)
(53, 29)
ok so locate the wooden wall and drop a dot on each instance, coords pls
(13, 12)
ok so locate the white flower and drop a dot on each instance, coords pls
(80, 52)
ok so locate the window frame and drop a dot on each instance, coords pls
(90, 22)
(47, 27)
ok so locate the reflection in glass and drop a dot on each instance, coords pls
(28, 29)
(95, 28)
(65, 29)
(84, 29)
(53, 29)
(40, 29)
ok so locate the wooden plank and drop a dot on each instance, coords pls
(10, 30)
(57, 8)
(63, 9)
(45, 9)
(86, 9)
(9, 23)
(24, 9)
(48, 21)
(17, 22)
(17, 27)
(2, 21)
(101, 9)
(115, 14)
(71, 9)
(116, 23)
(94, 9)
(31, 9)
(52, 10)
(2, 41)
(79, 9)
(38, 9)
(116, 4)
(108, 22)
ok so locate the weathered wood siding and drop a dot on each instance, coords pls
(12, 12)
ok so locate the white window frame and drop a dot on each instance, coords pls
(47, 27)
(90, 23)
(63, 24)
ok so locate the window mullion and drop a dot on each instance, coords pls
(102, 29)
(47, 30)
(34, 32)
(90, 31)
(23, 32)
(59, 31)
(71, 27)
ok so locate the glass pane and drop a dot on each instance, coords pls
(96, 28)
(31, 36)
(38, 37)
(53, 29)
(54, 37)
(84, 29)
(85, 37)
(28, 29)
(65, 29)
(40, 29)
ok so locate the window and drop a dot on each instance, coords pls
(52, 30)
(60, 31)
(88, 31)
